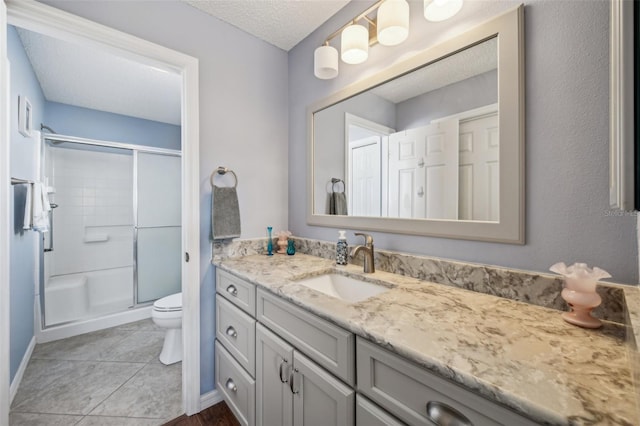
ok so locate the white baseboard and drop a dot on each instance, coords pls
(17, 379)
(210, 399)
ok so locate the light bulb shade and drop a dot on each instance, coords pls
(325, 62)
(439, 10)
(393, 22)
(354, 44)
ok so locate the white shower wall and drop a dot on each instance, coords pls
(92, 226)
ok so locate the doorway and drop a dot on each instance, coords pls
(50, 21)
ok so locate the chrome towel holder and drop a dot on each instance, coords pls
(222, 171)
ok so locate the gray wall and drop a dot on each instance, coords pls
(23, 244)
(243, 119)
(567, 57)
(330, 143)
(474, 92)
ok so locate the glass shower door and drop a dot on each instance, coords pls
(158, 226)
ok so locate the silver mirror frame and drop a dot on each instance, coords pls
(509, 28)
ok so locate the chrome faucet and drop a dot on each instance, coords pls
(367, 249)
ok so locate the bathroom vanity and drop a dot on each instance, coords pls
(417, 353)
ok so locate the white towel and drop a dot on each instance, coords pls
(40, 208)
(28, 201)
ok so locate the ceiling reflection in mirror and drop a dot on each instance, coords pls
(424, 145)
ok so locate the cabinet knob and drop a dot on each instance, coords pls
(291, 380)
(231, 332)
(280, 370)
(231, 386)
(232, 290)
(444, 415)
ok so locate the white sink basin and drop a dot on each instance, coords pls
(343, 287)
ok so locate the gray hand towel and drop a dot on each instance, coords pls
(338, 204)
(225, 213)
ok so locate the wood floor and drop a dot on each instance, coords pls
(218, 415)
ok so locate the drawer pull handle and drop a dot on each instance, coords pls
(291, 380)
(231, 332)
(444, 415)
(232, 290)
(280, 370)
(231, 386)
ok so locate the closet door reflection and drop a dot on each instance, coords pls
(158, 231)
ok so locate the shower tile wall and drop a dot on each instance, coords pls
(93, 225)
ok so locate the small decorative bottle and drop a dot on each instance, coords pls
(291, 248)
(269, 241)
(341, 249)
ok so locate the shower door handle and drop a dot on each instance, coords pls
(50, 248)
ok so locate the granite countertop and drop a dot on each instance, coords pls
(520, 355)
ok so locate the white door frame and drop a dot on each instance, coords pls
(4, 221)
(53, 22)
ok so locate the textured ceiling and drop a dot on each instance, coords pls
(470, 62)
(283, 23)
(85, 77)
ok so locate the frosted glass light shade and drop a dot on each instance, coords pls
(439, 10)
(393, 22)
(325, 62)
(354, 44)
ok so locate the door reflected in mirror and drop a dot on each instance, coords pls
(424, 145)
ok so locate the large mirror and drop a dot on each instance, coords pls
(432, 146)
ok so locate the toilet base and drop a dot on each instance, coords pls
(172, 347)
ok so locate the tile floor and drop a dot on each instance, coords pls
(108, 377)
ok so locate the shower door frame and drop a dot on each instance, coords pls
(56, 23)
(134, 149)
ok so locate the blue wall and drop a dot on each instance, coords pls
(23, 244)
(88, 123)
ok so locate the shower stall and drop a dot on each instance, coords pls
(115, 233)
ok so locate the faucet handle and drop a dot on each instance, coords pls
(368, 239)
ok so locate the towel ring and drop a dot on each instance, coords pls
(333, 184)
(221, 171)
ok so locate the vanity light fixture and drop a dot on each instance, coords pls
(325, 62)
(393, 22)
(389, 26)
(354, 44)
(439, 10)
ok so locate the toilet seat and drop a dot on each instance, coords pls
(171, 303)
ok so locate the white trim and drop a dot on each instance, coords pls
(621, 117)
(53, 22)
(17, 379)
(210, 399)
(5, 225)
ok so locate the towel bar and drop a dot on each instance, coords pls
(18, 181)
(221, 171)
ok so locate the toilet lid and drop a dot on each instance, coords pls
(172, 302)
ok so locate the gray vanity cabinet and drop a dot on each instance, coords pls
(274, 399)
(293, 390)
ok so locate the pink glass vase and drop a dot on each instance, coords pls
(580, 292)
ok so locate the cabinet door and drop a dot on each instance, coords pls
(274, 400)
(319, 398)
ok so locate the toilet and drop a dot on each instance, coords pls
(167, 313)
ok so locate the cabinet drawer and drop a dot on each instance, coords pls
(236, 386)
(237, 332)
(369, 414)
(406, 390)
(237, 291)
(325, 343)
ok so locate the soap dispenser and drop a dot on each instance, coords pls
(342, 248)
